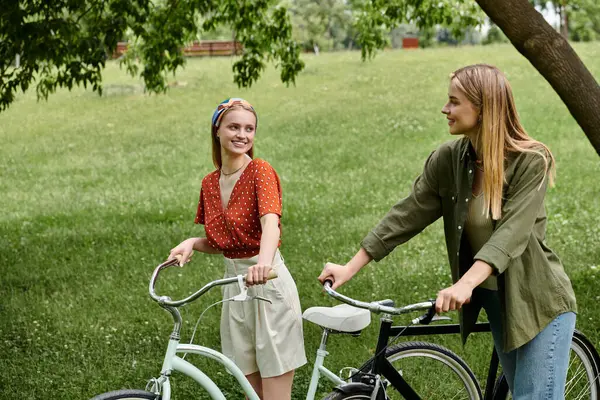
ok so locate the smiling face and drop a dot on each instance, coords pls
(462, 115)
(236, 132)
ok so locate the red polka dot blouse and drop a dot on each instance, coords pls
(236, 229)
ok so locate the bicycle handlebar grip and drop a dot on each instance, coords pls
(272, 274)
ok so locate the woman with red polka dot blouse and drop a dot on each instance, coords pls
(240, 208)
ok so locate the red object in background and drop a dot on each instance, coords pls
(120, 50)
(410, 43)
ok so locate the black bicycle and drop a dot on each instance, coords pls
(422, 370)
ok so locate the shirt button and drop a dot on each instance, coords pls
(457, 253)
(459, 227)
(470, 171)
(467, 200)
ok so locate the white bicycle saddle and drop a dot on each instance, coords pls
(341, 318)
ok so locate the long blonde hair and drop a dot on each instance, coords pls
(500, 130)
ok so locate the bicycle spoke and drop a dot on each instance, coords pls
(418, 368)
(446, 385)
(579, 374)
(579, 385)
(587, 388)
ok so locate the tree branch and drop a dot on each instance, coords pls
(554, 58)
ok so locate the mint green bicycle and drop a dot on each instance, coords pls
(342, 319)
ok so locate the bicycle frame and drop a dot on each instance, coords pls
(172, 362)
(383, 367)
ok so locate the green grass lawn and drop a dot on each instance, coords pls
(97, 190)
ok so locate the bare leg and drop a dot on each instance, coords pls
(278, 387)
(256, 382)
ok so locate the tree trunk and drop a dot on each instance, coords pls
(550, 53)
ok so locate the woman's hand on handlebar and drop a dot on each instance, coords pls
(183, 251)
(338, 274)
(453, 298)
(257, 274)
(341, 274)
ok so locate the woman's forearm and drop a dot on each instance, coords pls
(269, 239)
(478, 273)
(360, 259)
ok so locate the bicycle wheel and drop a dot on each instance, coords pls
(583, 375)
(433, 371)
(127, 394)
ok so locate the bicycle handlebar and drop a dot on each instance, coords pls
(166, 300)
(378, 306)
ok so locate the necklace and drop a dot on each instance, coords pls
(231, 173)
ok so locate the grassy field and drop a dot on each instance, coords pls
(96, 190)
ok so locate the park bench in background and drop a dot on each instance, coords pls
(203, 48)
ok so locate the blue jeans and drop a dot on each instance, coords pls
(538, 369)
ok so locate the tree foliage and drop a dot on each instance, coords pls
(327, 24)
(62, 43)
(494, 35)
(377, 17)
(584, 21)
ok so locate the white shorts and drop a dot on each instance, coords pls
(259, 336)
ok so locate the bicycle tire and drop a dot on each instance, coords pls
(127, 394)
(583, 355)
(445, 361)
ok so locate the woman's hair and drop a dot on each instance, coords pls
(216, 144)
(500, 131)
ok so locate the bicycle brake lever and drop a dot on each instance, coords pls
(243, 295)
(425, 319)
(261, 299)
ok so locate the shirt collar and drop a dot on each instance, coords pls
(467, 150)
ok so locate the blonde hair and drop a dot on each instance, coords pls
(500, 130)
(216, 144)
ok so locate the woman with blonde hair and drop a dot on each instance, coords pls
(240, 208)
(489, 187)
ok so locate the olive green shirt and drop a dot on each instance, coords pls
(532, 284)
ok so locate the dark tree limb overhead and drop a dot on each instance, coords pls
(552, 55)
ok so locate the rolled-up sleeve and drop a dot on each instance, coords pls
(523, 200)
(410, 215)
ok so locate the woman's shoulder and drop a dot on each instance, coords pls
(531, 164)
(210, 178)
(258, 164)
(537, 154)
